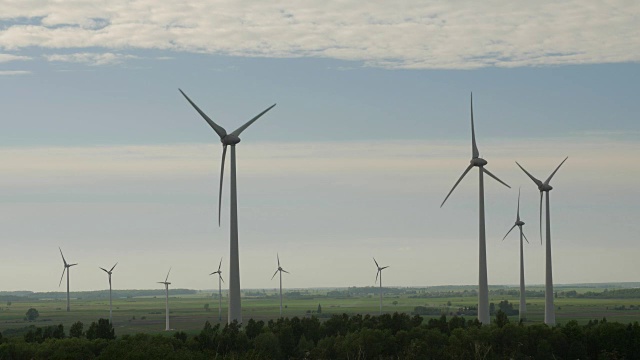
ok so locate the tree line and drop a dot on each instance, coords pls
(389, 336)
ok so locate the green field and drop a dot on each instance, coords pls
(146, 313)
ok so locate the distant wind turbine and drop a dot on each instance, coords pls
(219, 272)
(110, 305)
(166, 301)
(483, 285)
(235, 306)
(519, 223)
(67, 269)
(281, 270)
(379, 272)
(549, 311)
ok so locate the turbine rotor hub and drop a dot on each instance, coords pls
(230, 139)
(545, 187)
(519, 223)
(478, 162)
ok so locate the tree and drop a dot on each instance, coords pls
(206, 307)
(32, 314)
(319, 311)
(76, 330)
(101, 330)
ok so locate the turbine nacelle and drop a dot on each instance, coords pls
(545, 187)
(478, 162)
(229, 139)
(519, 223)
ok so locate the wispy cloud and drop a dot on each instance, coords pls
(11, 57)
(91, 58)
(14, 72)
(411, 34)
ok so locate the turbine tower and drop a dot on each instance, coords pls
(483, 285)
(549, 310)
(166, 300)
(66, 268)
(219, 272)
(519, 223)
(235, 307)
(110, 304)
(379, 273)
(280, 269)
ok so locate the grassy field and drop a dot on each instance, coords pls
(146, 314)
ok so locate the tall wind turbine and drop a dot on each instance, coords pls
(110, 305)
(519, 223)
(235, 307)
(166, 300)
(476, 160)
(379, 272)
(544, 187)
(66, 268)
(219, 272)
(280, 269)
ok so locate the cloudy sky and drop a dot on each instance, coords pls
(101, 156)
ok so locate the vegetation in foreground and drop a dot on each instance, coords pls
(389, 336)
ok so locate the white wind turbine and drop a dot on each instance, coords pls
(483, 286)
(166, 300)
(281, 270)
(549, 310)
(379, 272)
(109, 272)
(67, 269)
(219, 272)
(519, 223)
(235, 306)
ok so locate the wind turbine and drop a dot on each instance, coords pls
(476, 160)
(379, 273)
(549, 310)
(66, 268)
(235, 307)
(219, 272)
(166, 301)
(110, 305)
(280, 269)
(519, 223)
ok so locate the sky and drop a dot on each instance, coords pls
(101, 156)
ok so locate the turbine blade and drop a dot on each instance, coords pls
(382, 268)
(457, 182)
(239, 130)
(541, 217)
(495, 177)
(538, 182)
(217, 128)
(518, 213)
(65, 269)
(554, 171)
(70, 265)
(215, 272)
(274, 274)
(219, 265)
(224, 154)
(103, 269)
(114, 266)
(508, 232)
(286, 271)
(221, 277)
(474, 149)
(524, 236)
(167, 279)
(63, 260)
(278, 256)
(377, 272)
(374, 260)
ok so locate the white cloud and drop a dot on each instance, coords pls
(14, 72)
(10, 57)
(91, 58)
(408, 34)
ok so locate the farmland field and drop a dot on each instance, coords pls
(147, 313)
